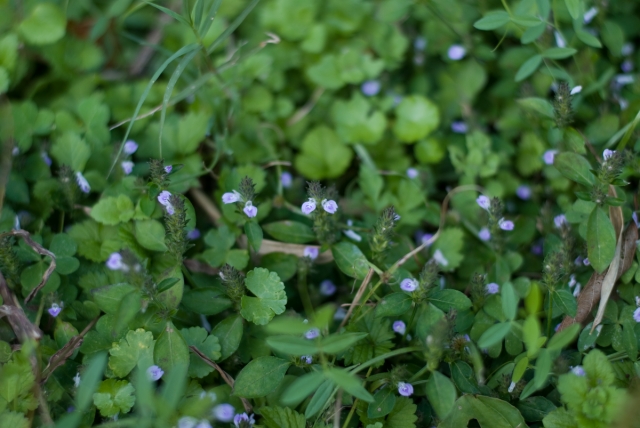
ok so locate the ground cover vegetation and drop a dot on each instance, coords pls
(340, 213)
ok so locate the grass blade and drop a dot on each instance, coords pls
(168, 11)
(206, 24)
(167, 93)
(184, 50)
(198, 10)
(235, 24)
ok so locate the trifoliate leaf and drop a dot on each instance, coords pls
(113, 397)
(136, 347)
(270, 297)
(209, 345)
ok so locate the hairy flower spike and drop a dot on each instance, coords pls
(158, 174)
(383, 232)
(175, 224)
(233, 281)
(563, 111)
(247, 189)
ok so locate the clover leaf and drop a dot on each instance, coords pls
(270, 297)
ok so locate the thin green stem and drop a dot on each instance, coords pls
(419, 373)
(506, 7)
(549, 314)
(384, 357)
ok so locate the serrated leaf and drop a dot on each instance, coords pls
(270, 297)
(282, 417)
(574, 167)
(113, 210)
(137, 346)
(207, 344)
(260, 377)
(71, 150)
(113, 397)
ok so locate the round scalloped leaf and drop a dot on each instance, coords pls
(45, 24)
(209, 345)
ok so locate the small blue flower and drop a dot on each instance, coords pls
(130, 147)
(155, 373)
(286, 179)
(54, 310)
(224, 412)
(327, 288)
(399, 327)
(311, 252)
(312, 334)
(405, 389)
(492, 288)
(484, 234)
(370, 88)
(524, 192)
(409, 284)
(456, 52)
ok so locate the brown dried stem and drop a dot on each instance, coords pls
(225, 376)
(590, 295)
(357, 297)
(40, 250)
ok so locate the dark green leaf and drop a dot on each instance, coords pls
(350, 259)
(383, 402)
(108, 298)
(260, 377)
(441, 394)
(534, 409)
(494, 334)
(290, 231)
(601, 240)
(492, 20)
(229, 333)
(337, 343)
(301, 388)
(558, 53)
(528, 68)
(393, 305)
(292, 345)
(349, 382)
(574, 167)
(254, 234)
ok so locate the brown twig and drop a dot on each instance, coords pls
(225, 376)
(200, 267)
(357, 297)
(207, 205)
(590, 295)
(59, 358)
(40, 250)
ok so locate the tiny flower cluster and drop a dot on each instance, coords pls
(164, 199)
(328, 205)
(245, 195)
(130, 147)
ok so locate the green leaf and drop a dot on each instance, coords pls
(563, 298)
(151, 235)
(292, 345)
(108, 298)
(538, 105)
(588, 38)
(90, 379)
(575, 8)
(543, 368)
(441, 393)
(558, 53)
(356, 122)
(560, 418)
(601, 240)
(171, 350)
(260, 377)
(337, 343)
(207, 344)
(393, 304)
(509, 301)
(463, 377)
(492, 20)
(113, 397)
(528, 68)
(113, 210)
(534, 409)
(383, 402)
(282, 417)
(270, 297)
(63, 245)
(290, 231)
(494, 334)
(320, 398)
(574, 167)
(45, 24)
(416, 117)
(166, 284)
(526, 20)
(301, 388)
(14, 420)
(448, 299)
(229, 333)
(350, 259)
(285, 265)
(490, 412)
(254, 234)
(206, 301)
(349, 382)
(450, 244)
(71, 150)
(563, 338)
(322, 154)
(136, 346)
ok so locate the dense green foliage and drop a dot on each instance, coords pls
(306, 213)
